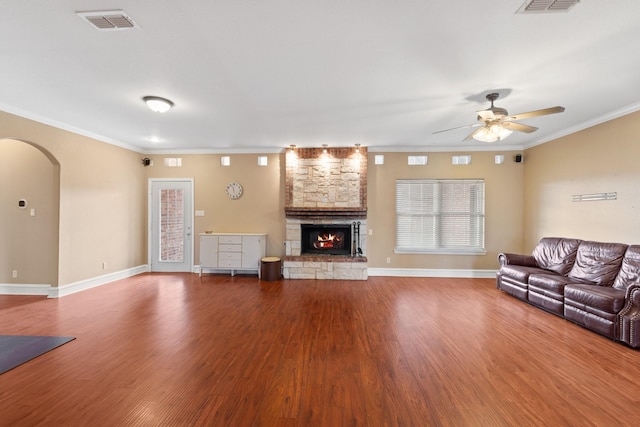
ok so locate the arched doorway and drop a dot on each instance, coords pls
(29, 208)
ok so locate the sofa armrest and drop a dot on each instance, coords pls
(632, 296)
(517, 259)
(629, 318)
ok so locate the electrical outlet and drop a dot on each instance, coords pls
(104, 265)
(14, 274)
(388, 260)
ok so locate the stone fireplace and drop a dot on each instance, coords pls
(326, 211)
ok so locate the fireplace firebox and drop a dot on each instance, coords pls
(326, 239)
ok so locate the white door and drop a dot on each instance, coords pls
(171, 225)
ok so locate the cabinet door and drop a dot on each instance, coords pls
(209, 251)
(252, 251)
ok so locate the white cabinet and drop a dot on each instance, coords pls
(232, 251)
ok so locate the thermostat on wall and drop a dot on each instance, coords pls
(22, 203)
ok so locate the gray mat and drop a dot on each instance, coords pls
(18, 349)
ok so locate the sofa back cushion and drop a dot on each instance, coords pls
(630, 270)
(598, 263)
(556, 254)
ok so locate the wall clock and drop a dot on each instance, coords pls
(234, 190)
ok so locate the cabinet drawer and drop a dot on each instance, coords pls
(229, 248)
(235, 257)
(230, 240)
(228, 264)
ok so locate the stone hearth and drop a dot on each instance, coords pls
(325, 267)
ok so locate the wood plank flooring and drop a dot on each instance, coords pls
(178, 350)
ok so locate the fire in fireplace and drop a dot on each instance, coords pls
(326, 239)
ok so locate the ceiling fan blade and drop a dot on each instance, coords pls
(519, 127)
(470, 136)
(486, 114)
(459, 127)
(536, 113)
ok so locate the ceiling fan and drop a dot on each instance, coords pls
(496, 123)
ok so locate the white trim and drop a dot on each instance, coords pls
(83, 285)
(474, 147)
(69, 128)
(238, 150)
(23, 289)
(426, 272)
(628, 109)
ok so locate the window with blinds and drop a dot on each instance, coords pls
(440, 216)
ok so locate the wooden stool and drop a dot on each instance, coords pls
(270, 268)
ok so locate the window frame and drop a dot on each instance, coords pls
(431, 214)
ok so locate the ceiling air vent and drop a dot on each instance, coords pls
(110, 20)
(547, 6)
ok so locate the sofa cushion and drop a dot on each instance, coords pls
(556, 254)
(603, 298)
(629, 273)
(550, 282)
(520, 273)
(598, 263)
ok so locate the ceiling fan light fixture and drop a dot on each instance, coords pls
(500, 131)
(484, 135)
(497, 124)
(157, 104)
(492, 133)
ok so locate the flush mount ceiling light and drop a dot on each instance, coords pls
(157, 104)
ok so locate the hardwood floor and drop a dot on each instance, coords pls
(177, 350)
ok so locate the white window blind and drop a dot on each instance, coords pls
(440, 216)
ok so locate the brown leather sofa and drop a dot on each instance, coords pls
(593, 284)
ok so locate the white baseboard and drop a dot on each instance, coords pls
(72, 288)
(425, 272)
(83, 285)
(24, 289)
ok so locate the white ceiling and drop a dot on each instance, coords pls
(257, 76)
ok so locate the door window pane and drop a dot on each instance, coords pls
(172, 225)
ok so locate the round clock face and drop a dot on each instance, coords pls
(234, 190)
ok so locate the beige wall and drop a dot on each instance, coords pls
(28, 244)
(603, 158)
(103, 199)
(261, 207)
(259, 210)
(503, 208)
(102, 191)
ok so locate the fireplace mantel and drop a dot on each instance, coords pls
(323, 213)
